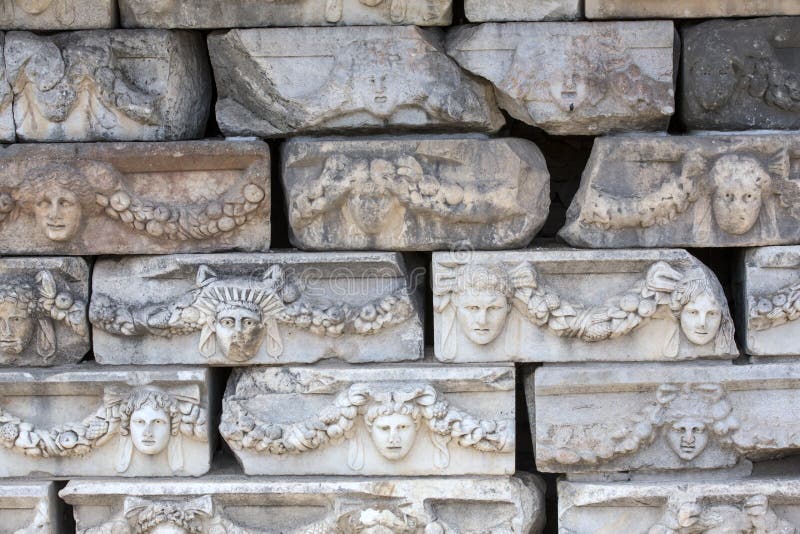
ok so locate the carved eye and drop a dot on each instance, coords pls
(402, 427)
(44, 203)
(384, 428)
(138, 421)
(160, 422)
(227, 322)
(16, 319)
(748, 197)
(64, 203)
(729, 197)
(472, 308)
(679, 429)
(249, 322)
(713, 313)
(697, 430)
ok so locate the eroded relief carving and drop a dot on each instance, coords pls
(752, 516)
(775, 309)
(41, 520)
(7, 132)
(56, 14)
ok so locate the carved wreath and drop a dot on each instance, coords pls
(781, 307)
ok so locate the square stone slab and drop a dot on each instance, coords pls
(58, 14)
(134, 198)
(233, 504)
(7, 132)
(688, 191)
(567, 305)
(404, 420)
(43, 304)
(278, 82)
(691, 9)
(576, 78)
(659, 417)
(247, 13)
(769, 301)
(759, 506)
(522, 10)
(29, 508)
(741, 74)
(109, 85)
(246, 309)
(86, 420)
(414, 193)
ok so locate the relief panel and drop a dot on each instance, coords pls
(522, 10)
(29, 508)
(7, 131)
(57, 14)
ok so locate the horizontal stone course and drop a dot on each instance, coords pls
(692, 9)
(522, 10)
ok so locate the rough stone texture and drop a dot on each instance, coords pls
(7, 133)
(421, 193)
(691, 9)
(43, 305)
(250, 13)
(739, 75)
(246, 309)
(658, 417)
(129, 198)
(284, 81)
(688, 191)
(426, 419)
(760, 506)
(57, 14)
(233, 505)
(562, 305)
(575, 78)
(91, 421)
(29, 508)
(522, 10)
(109, 85)
(769, 301)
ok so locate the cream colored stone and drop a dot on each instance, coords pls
(521, 10)
(7, 133)
(414, 193)
(691, 9)
(425, 419)
(29, 508)
(129, 198)
(58, 14)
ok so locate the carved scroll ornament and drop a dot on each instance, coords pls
(780, 307)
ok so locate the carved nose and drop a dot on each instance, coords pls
(4, 328)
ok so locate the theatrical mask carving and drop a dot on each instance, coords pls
(752, 516)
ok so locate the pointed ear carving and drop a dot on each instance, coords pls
(208, 341)
(274, 341)
(124, 453)
(205, 276)
(175, 453)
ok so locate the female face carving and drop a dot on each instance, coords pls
(701, 318)
(394, 435)
(239, 332)
(58, 213)
(687, 437)
(16, 328)
(738, 196)
(481, 314)
(150, 429)
(168, 528)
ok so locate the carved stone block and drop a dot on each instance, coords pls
(231, 505)
(29, 508)
(566, 305)
(58, 14)
(109, 85)
(758, 506)
(770, 301)
(688, 191)
(43, 305)
(426, 419)
(91, 421)
(285, 81)
(575, 78)
(521, 10)
(417, 193)
(739, 75)
(249, 14)
(245, 309)
(134, 198)
(657, 417)
(7, 133)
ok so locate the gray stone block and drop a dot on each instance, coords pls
(522, 10)
(29, 508)
(58, 14)
(691, 9)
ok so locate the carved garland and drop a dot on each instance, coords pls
(776, 309)
(754, 516)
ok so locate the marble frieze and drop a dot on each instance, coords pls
(129, 198)
(692, 9)
(403, 420)
(568, 305)
(576, 78)
(29, 508)
(57, 14)
(275, 82)
(246, 309)
(522, 10)
(108, 85)
(662, 417)
(688, 191)
(232, 505)
(89, 420)
(419, 193)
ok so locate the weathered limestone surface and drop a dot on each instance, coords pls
(739, 75)
(421, 193)
(7, 132)
(233, 505)
(692, 9)
(88, 420)
(108, 85)
(57, 14)
(688, 191)
(43, 305)
(521, 10)
(567, 305)
(254, 13)
(576, 78)
(246, 309)
(134, 198)
(29, 508)
(658, 417)
(760, 506)
(770, 301)
(285, 81)
(425, 419)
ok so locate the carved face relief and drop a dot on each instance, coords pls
(738, 195)
(394, 435)
(482, 314)
(687, 437)
(701, 318)
(58, 213)
(16, 328)
(371, 212)
(150, 429)
(568, 88)
(240, 332)
(376, 89)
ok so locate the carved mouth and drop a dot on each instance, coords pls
(569, 94)
(481, 331)
(149, 441)
(380, 99)
(701, 332)
(687, 448)
(53, 226)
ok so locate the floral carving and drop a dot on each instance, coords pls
(753, 516)
(780, 307)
